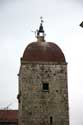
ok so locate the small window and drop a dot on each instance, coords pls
(45, 86)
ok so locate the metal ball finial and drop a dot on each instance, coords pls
(41, 19)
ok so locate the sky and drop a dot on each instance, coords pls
(18, 18)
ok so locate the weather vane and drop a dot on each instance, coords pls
(34, 32)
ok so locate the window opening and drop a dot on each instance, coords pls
(45, 86)
(51, 120)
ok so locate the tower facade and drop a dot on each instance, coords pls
(43, 90)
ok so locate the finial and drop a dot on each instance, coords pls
(40, 32)
(41, 20)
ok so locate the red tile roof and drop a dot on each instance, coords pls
(9, 116)
(43, 51)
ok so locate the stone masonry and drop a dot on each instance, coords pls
(43, 94)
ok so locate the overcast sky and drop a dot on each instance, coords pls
(18, 18)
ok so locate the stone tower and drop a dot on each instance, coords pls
(43, 90)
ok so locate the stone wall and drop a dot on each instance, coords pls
(39, 105)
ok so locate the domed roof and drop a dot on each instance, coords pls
(43, 51)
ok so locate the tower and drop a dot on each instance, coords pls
(43, 90)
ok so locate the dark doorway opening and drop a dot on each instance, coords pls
(51, 120)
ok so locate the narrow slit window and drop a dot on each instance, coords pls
(51, 120)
